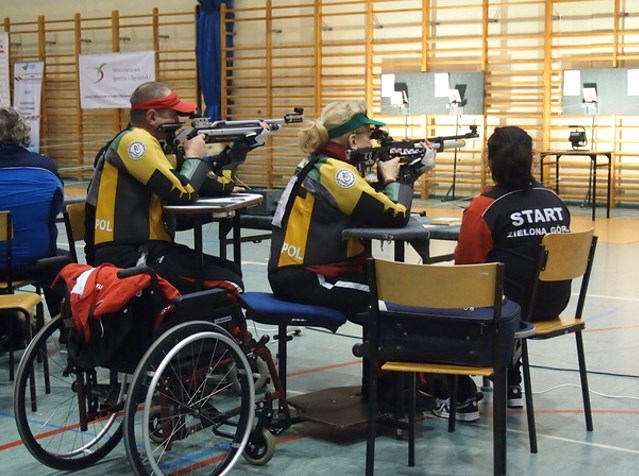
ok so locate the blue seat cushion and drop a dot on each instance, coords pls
(267, 309)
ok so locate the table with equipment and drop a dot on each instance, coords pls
(592, 177)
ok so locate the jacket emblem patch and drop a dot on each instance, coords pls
(345, 178)
(136, 150)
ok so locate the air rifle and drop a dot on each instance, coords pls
(244, 134)
(391, 148)
(412, 154)
(229, 131)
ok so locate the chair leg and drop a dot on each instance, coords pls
(371, 433)
(399, 408)
(282, 339)
(412, 391)
(585, 391)
(452, 408)
(530, 410)
(499, 422)
(12, 331)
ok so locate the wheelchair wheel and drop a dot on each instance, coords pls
(260, 448)
(68, 418)
(180, 415)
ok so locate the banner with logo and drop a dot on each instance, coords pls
(107, 80)
(27, 96)
(5, 94)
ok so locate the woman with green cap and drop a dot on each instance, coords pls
(310, 262)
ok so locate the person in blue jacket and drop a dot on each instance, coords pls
(31, 189)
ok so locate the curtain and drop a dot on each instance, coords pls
(208, 50)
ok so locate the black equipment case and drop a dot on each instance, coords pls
(448, 336)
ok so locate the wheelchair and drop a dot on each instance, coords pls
(181, 396)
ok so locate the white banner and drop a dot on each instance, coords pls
(27, 96)
(107, 80)
(5, 94)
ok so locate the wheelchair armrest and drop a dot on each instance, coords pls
(54, 262)
(128, 272)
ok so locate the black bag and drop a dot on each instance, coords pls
(118, 340)
(13, 331)
(448, 336)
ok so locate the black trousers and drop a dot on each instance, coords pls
(348, 293)
(177, 264)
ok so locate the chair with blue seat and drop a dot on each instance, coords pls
(34, 197)
(21, 303)
(265, 308)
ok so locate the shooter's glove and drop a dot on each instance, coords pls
(235, 153)
(422, 162)
(229, 159)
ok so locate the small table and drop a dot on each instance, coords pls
(593, 154)
(222, 208)
(418, 232)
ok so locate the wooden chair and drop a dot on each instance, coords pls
(562, 256)
(73, 215)
(437, 288)
(22, 302)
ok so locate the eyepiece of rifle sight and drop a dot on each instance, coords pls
(298, 110)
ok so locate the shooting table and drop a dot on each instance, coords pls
(223, 209)
(342, 407)
(418, 232)
(592, 177)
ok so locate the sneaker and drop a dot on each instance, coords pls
(466, 411)
(515, 398)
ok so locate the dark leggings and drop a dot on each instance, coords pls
(177, 264)
(348, 293)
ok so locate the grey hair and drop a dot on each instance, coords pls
(13, 128)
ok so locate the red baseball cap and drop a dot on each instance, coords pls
(172, 101)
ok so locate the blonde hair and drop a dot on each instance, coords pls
(313, 134)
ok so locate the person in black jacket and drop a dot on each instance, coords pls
(506, 224)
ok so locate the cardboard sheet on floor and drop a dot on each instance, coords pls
(338, 407)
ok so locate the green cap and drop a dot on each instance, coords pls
(353, 123)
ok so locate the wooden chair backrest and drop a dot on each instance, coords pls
(454, 287)
(75, 214)
(74, 225)
(6, 230)
(566, 255)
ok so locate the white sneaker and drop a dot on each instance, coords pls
(466, 411)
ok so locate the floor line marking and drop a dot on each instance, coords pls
(586, 443)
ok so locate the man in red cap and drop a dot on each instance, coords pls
(135, 178)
